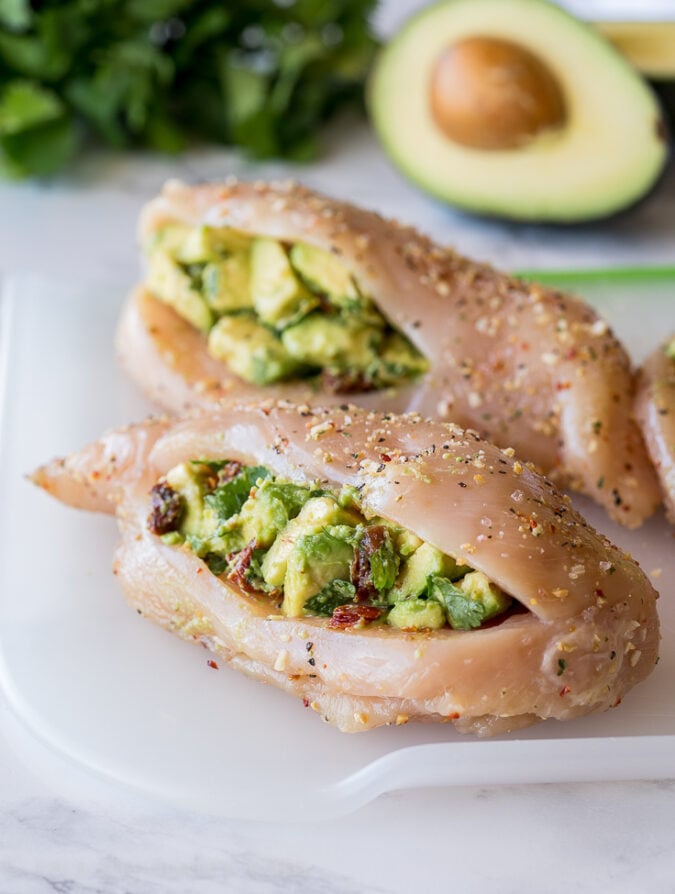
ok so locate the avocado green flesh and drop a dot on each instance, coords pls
(310, 551)
(606, 155)
(274, 312)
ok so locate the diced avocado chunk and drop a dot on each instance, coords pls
(190, 480)
(399, 359)
(195, 245)
(251, 351)
(314, 561)
(332, 342)
(171, 284)
(406, 542)
(325, 273)
(417, 614)
(226, 284)
(315, 515)
(265, 514)
(412, 579)
(278, 295)
(478, 587)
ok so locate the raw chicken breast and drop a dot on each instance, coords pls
(655, 410)
(586, 633)
(525, 366)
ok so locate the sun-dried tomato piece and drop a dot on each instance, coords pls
(166, 509)
(362, 575)
(348, 615)
(346, 383)
(229, 471)
(240, 566)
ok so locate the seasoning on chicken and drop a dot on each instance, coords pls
(272, 291)
(493, 603)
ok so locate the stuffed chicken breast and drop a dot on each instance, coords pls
(256, 290)
(655, 410)
(381, 568)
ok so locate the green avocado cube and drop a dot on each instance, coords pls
(198, 245)
(417, 614)
(251, 351)
(479, 588)
(226, 284)
(415, 571)
(325, 273)
(399, 359)
(278, 295)
(172, 285)
(332, 342)
(268, 511)
(314, 561)
(190, 481)
(315, 515)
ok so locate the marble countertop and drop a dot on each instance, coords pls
(63, 830)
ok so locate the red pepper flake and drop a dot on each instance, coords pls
(454, 716)
(305, 702)
(617, 702)
(212, 663)
(385, 457)
(598, 592)
(564, 691)
(200, 570)
(348, 615)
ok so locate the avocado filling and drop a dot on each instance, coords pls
(274, 312)
(310, 551)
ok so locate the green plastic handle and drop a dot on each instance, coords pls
(598, 274)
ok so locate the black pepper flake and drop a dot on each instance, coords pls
(462, 484)
(562, 664)
(312, 661)
(309, 646)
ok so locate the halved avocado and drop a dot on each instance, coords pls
(516, 110)
(649, 47)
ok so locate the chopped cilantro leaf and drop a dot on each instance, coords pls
(336, 592)
(464, 613)
(384, 564)
(227, 500)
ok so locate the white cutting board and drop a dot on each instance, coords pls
(97, 683)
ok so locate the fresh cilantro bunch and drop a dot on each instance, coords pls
(260, 74)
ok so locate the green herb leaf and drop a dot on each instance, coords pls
(384, 564)
(15, 14)
(463, 612)
(263, 76)
(335, 593)
(228, 499)
(37, 135)
(217, 564)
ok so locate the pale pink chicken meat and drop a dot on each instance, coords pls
(655, 410)
(524, 365)
(587, 608)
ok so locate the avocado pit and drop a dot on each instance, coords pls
(493, 94)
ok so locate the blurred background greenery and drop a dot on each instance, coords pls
(260, 74)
